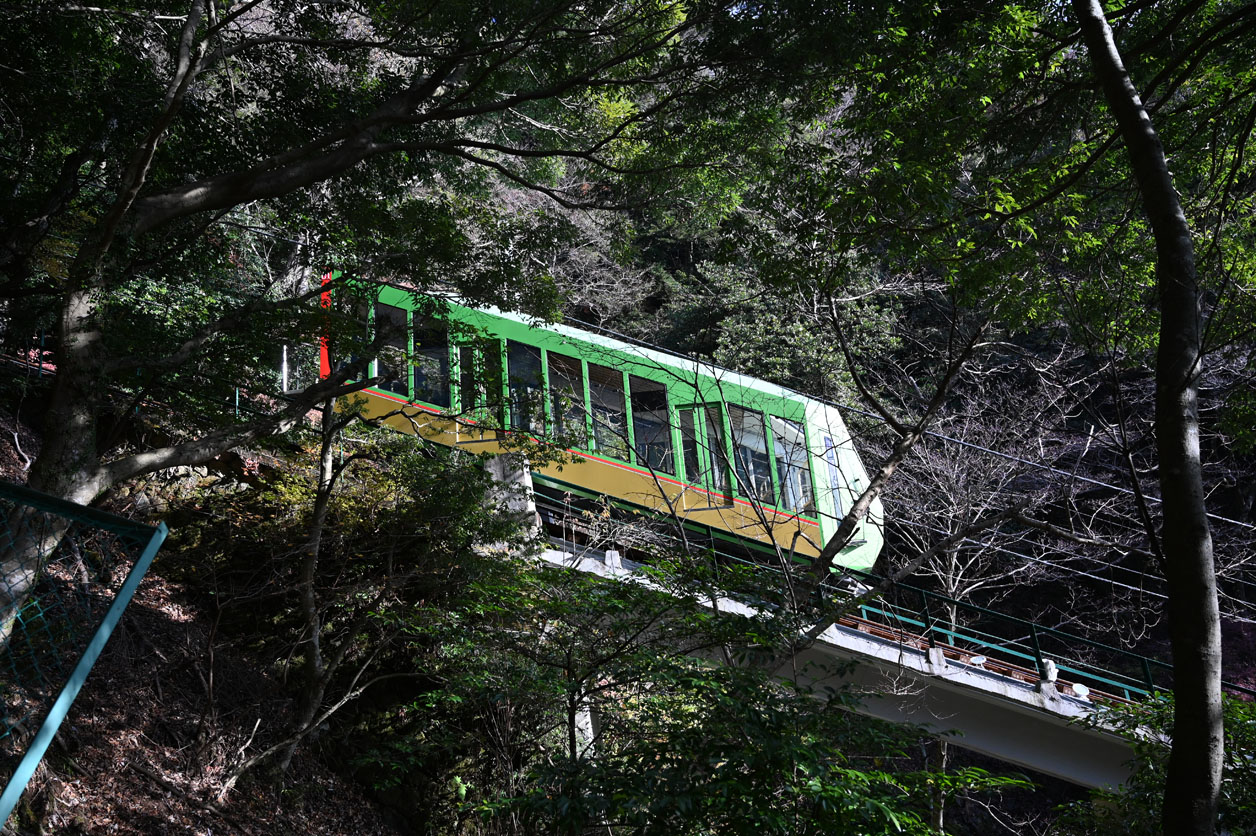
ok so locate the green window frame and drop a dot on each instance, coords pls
(393, 370)
(704, 447)
(567, 399)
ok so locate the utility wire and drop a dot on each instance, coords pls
(1009, 457)
(929, 433)
(1069, 569)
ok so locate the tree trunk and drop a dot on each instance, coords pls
(66, 466)
(936, 763)
(1193, 782)
(314, 673)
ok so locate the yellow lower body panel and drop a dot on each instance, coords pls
(599, 474)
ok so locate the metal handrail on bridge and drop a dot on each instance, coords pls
(1012, 646)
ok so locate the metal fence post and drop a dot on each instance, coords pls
(1033, 638)
(926, 618)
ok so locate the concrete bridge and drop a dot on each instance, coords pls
(1002, 711)
(1031, 725)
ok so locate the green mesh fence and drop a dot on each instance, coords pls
(66, 574)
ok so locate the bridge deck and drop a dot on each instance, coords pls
(1001, 711)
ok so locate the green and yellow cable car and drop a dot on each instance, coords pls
(646, 428)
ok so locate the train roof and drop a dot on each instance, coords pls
(614, 341)
(662, 357)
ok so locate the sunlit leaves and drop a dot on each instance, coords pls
(1135, 807)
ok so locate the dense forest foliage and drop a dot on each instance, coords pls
(1012, 238)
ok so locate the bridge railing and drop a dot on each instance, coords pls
(1019, 648)
(968, 634)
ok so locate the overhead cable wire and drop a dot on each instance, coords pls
(929, 433)
(1068, 569)
(1010, 457)
(1005, 550)
(1114, 546)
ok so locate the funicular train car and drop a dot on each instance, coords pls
(737, 457)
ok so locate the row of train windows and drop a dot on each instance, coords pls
(601, 409)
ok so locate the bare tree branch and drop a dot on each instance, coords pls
(908, 438)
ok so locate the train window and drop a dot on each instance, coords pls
(566, 382)
(393, 365)
(702, 447)
(493, 383)
(431, 363)
(650, 427)
(298, 367)
(523, 367)
(717, 448)
(835, 475)
(750, 453)
(479, 376)
(689, 448)
(610, 419)
(470, 380)
(345, 348)
(793, 470)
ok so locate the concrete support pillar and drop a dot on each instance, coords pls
(515, 493)
(588, 727)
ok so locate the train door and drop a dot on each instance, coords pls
(704, 454)
(480, 389)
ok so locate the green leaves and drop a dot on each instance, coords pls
(1135, 807)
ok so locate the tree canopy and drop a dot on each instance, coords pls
(868, 196)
